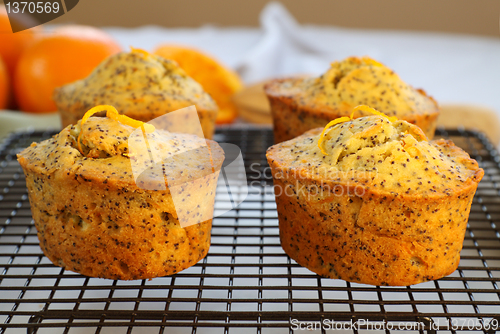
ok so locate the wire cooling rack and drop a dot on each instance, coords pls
(246, 283)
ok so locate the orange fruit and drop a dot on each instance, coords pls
(217, 80)
(67, 54)
(4, 85)
(13, 44)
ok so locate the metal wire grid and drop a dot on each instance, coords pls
(246, 284)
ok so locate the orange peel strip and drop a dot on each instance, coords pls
(332, 123)
(373, 111)
(143, 52)
(371, 61)
(350, 118)
(112, 113)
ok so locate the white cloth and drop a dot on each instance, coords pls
(450, 67)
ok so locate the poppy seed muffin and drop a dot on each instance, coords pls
(142, 85)
(375, 202)
(94, 217)
(301, 104)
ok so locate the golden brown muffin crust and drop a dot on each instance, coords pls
(383, 206)
(390, 156)
(301, 104)
(92, 217)
(143, 85)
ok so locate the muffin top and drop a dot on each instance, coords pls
(355, 81)
(380, 153)
(134, 82)
(109, 152)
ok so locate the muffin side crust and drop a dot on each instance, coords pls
(374, 203)
(93, 217)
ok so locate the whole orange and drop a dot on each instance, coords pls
(67, 54)
(4, 85)
(13, 44)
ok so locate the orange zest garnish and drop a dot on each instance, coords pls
(137, 50)
(112, 113)
(371, 61)
(350, 118)
(129, 155)
(373, 111)
(330, 124)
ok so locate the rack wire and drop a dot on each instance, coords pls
(246, 283)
